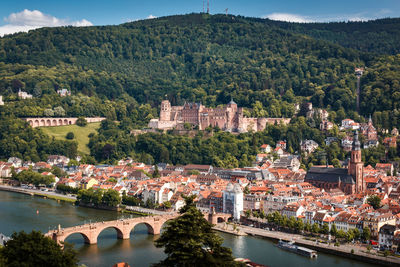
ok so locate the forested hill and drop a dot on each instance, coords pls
(380, 36)
(198, 57)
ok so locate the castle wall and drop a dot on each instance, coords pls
(229, 117)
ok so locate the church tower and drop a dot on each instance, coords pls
(356, 165)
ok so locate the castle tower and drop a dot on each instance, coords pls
(356, 165)
(165, 112)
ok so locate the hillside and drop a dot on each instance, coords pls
(194, 57)
(199, 57)
(81, 134)
(123, 72)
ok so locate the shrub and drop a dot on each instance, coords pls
(81, 122)
(70, 136)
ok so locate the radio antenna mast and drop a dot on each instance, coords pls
(208, 6)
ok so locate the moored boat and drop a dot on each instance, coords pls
(291, 246)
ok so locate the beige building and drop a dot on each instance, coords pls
(374, 221)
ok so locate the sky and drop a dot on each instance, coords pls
(23, 15)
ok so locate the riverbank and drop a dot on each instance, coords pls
(32, 192)
(348, 250)
(71, 199)
(229, 229)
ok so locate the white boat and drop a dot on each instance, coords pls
(290, 246)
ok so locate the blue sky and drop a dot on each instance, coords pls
(22, 15)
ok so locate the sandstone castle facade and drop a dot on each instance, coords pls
(228, 118)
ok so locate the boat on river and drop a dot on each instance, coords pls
(292, 247)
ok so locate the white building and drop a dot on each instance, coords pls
(24, 95)
(1, 100)
(386, 235)
(233, 200)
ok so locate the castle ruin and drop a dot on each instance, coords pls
(228, 118)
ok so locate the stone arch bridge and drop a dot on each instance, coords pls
(50, 121)
(91, 231)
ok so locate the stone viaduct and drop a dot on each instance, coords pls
(50, 121)
(154, 224)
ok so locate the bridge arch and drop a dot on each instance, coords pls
(36, 123)
(65, 122)
(85, 237)
(48, 123)
(120, 233)
(60, 122)
(150, 228)
(42, 122)
(54, 123)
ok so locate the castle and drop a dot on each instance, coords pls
(228, 118)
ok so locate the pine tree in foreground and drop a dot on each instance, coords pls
(189, 241)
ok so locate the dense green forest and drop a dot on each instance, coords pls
(19, 140)
(123, 72)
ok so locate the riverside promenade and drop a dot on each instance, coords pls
(35, 192)
(360, 253)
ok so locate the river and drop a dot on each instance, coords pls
(19, 212)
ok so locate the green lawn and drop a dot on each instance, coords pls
(81, 134)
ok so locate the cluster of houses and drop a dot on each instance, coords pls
(272, 186)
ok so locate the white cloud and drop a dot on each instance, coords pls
(28, 20)
(151, 17)
(288, 17)
(361, 16)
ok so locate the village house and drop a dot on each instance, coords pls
(87, 183)
(16, 162)
(386, 236)
(308, 146)
(326, 125)
(349, 124)
(63, 92)
(266, 148)
(374, 221)
(24, 95)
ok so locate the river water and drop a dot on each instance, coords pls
(19, 212)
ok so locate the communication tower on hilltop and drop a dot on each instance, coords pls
(359, 72)
(208, 6)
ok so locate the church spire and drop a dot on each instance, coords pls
(356, 142)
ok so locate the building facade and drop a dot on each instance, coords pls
(228, 118)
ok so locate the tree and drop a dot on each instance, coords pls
(167, 205)
(333, 230)
(156, 172)
(374, 201)
(111, 198)
(315, 228)
(35, 249)
(366, 234)
(81, 121)
(189, 241)
(70, 136)
(246, 190)
(325, 229)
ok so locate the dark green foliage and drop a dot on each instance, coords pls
(70, 136)
(81, 122)
(110, 198)
(67, 189)
(131, 201)
(31, 177)
(374, 201)
(189, 241)
(34, 249)
(17, 139)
